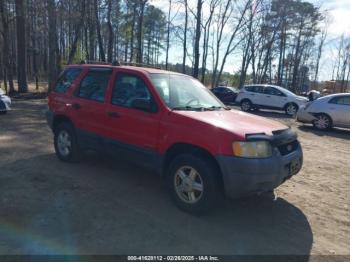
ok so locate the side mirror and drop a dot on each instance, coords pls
(143, 104)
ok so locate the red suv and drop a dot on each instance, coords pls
(173, 124)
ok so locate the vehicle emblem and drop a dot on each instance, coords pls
(289, 147)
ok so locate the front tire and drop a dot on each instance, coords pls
(322, 122)
(291, 109)
(66, 144)
(3, 112)
(193, 184)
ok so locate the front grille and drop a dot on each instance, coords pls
(288, 148)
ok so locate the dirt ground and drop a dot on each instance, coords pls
(104, 206)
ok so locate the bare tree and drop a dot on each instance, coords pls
(21, 47)
(8, 73)
(197, 38)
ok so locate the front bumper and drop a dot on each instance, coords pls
(5, 103)
(242, 176)
(304, 117)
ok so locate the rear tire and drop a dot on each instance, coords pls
(291, 109)
(193, 184)
(66, 143)
(3, 112)
(246, 105)
(323, 122)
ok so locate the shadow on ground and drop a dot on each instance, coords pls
(334, 132)
(105, 206)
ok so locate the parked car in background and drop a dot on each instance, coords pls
(5, 102)
(327, 111)
(166, 121)
(253, 97)
(226, 94)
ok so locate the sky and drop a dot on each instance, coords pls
(339, 15)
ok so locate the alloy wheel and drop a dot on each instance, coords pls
(64, 143)
(188, 184)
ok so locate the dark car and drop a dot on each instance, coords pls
(226, 94)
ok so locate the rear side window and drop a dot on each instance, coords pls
(128, 88)
(254, 89)
(66, 79)
(342, 100)
(94, 85)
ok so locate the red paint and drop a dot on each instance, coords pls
(212, 130)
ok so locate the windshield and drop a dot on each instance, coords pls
(286, 91)
(182, 92)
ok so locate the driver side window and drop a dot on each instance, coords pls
(127, 88)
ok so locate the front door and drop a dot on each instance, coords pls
(339, 109)
(134, 132)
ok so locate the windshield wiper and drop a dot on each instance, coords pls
(200, 108)
(185, 108)
(218, 107)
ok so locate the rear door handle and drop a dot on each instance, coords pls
(113, 114)
(76, 106)
(268, 96)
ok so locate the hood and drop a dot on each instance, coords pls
(301, 98)
(237, 122)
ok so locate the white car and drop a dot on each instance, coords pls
(327, 111)
(271, 97)
(5, 102)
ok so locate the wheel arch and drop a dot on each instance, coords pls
(58, 119)
(186, 148)
(293, 103)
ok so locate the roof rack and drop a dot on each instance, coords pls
(117, 63)
(140, 65)
(82, 62)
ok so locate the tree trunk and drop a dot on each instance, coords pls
(185, 39)
(8, 74)
(197, 38)
(132, 32)
(21, 47)
(168, 38)
(139, 55)
(98, 28)
(51, 5)
(77, 34)
(110, 33)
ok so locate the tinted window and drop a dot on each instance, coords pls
(94, 84)
(218, 90)
(66, 79)
(254, 89)
(342, 100)
(272, 91)
(127, 88)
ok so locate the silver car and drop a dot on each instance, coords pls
(5, 102)
(327, 111)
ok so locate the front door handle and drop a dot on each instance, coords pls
(76, 106)
(113, 114)
(268, 96)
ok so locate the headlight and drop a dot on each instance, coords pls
(254, 149)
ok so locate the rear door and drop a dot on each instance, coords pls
(133, 131)
(339, 110)
(89, 106)
(253, 93)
